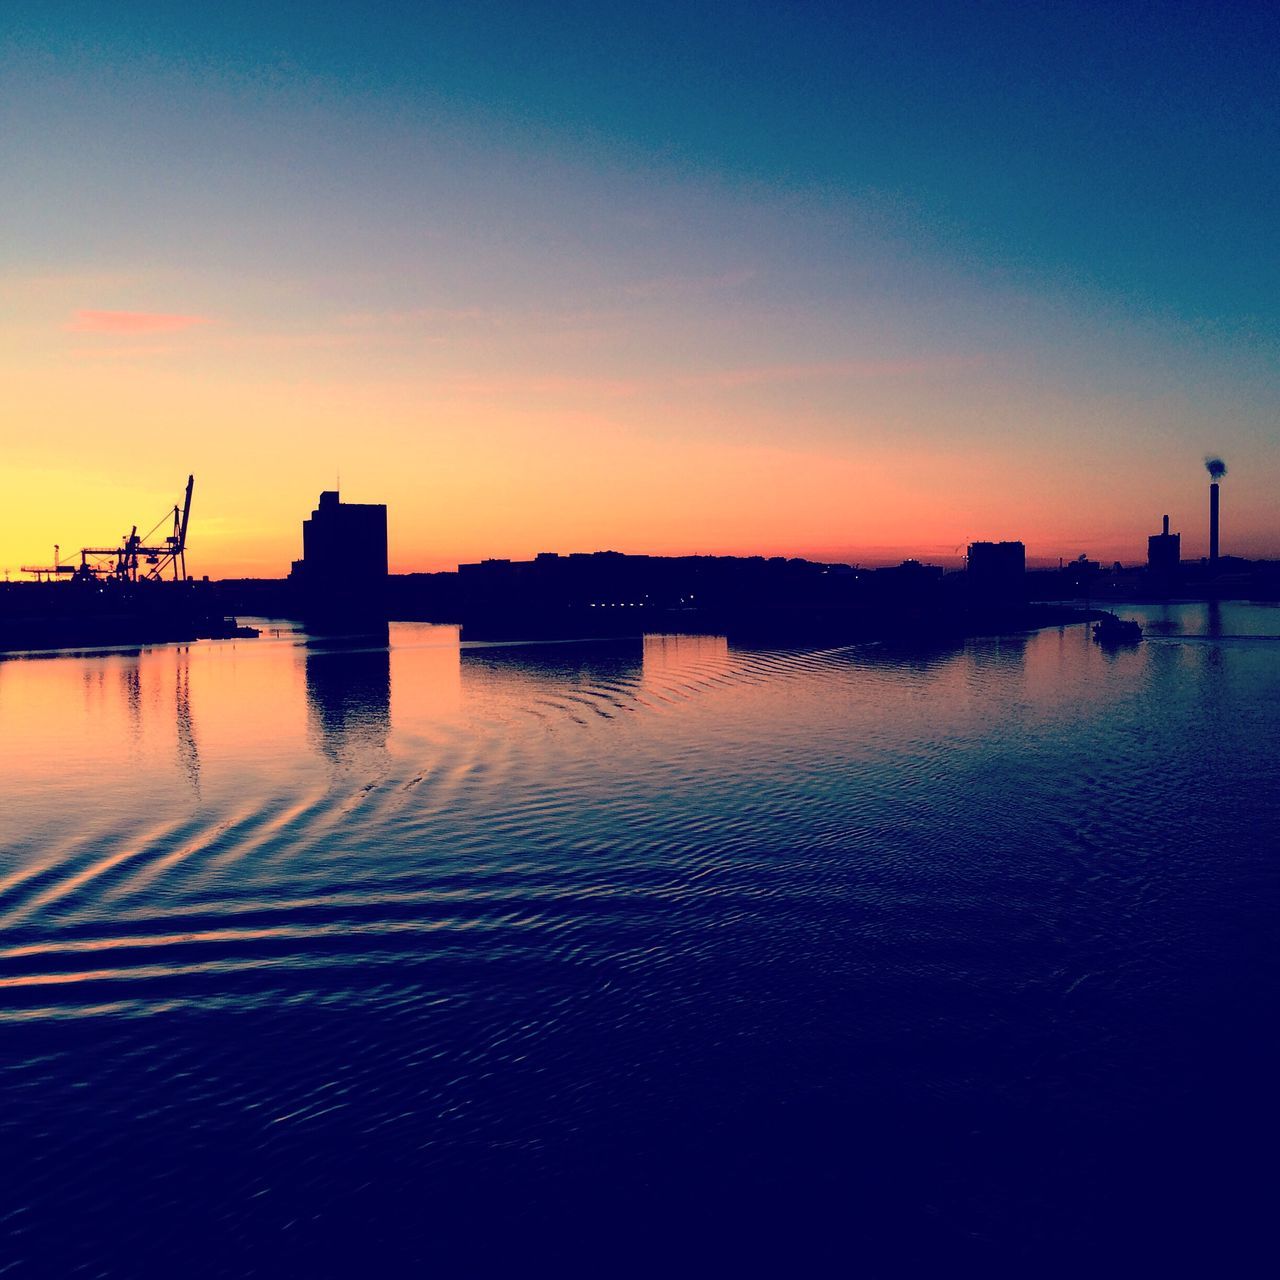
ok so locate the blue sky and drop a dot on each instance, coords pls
(1127, 146)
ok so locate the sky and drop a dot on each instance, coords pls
(851, 281)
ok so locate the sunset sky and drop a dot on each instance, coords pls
(853, 281)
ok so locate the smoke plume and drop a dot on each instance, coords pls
(1215, 467)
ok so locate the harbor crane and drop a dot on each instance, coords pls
(135, 559)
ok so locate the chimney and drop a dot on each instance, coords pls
(1213, 523)
(1166, 526)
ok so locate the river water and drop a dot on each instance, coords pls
(323, 956)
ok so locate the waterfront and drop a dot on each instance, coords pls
(964, 952)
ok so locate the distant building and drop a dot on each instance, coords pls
(618, 583)
(1081, 575)
(909, 583)
(343, 569)
(997, 571)
(1164, 553)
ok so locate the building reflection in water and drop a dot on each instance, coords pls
(188, 752)
(349, 694)
(546, 665)
(1213, 619)
(665, 654)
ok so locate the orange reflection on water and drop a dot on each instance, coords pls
(170, 708)
(663, 653)
(426, 672)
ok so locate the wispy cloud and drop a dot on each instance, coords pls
(132, 322)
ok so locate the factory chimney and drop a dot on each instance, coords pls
(1166, 526)
(1216, 469)
(1213, 523)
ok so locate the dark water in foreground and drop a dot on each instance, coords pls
(333, 959)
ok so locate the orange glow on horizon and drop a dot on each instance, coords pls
(465, 482)
(504, 436)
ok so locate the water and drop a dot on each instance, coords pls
(330, 956)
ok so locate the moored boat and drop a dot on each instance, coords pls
(1110, 629)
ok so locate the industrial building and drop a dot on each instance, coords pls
(343, 570)
(1164, 554)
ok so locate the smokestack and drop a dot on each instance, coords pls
(1216, 469)
(1166, 526)
(1213, 523)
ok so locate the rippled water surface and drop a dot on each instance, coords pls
(320, 955)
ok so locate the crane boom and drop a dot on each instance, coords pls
(127, 553)
(181, 554)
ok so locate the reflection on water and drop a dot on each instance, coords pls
(1213, 619)
(188, 751)
(662, 654)
(131, 687)
(349, 695)
(968, 950)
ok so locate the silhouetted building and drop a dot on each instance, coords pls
(997, 571)
(611, 591)
(1081, 575)
(754, 599)
(1164, 553)
(424, 597)
(343, 570)
(909, 584)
